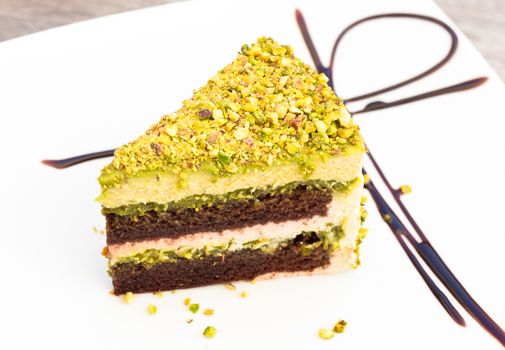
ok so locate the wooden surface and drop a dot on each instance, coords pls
(483, 21)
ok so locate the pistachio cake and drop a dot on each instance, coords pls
(257, 175)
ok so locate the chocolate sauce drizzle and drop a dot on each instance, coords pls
(405, 237)
(67, 162)
(466, 85)
(421, 245)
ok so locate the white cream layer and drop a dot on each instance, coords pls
(343, 210)
(163, 188)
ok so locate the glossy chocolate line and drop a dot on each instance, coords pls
(67, 162)
(395, 224)
(466, 85)
(304, 30)
(429, 71)
(429, 255)
(422, 247)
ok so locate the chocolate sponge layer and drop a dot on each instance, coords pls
(245, 264)
(294, 205)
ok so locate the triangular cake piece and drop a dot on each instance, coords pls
(258, 174)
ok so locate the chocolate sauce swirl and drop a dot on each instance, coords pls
(420, 242)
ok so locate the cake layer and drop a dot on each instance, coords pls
(228, 216)
(341, 260)
(342, 211)
(200, 201)
(245, 264)
(165, 188)
(292, 203)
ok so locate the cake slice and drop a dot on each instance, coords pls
(257, 175)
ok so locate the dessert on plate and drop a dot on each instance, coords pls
(257, 175)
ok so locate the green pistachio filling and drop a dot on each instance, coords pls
(328, 239)
(267, 106)
(199, 201)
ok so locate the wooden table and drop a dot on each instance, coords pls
(483, 21)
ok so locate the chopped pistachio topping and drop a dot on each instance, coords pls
(265, 106)
(210, 332)
(366, 179)
(230, 286)
(128, 297)
(243, 295)
(208, 312)
(151, 309)
(340, 326)
(187, 301)
(363, 213)
(105, 251)
(159, 294)
(361, 235)
(95, 230)
(325, 333)
(194, 308)
(198, 201)
(405, 189)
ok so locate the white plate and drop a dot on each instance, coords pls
(98, 84)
